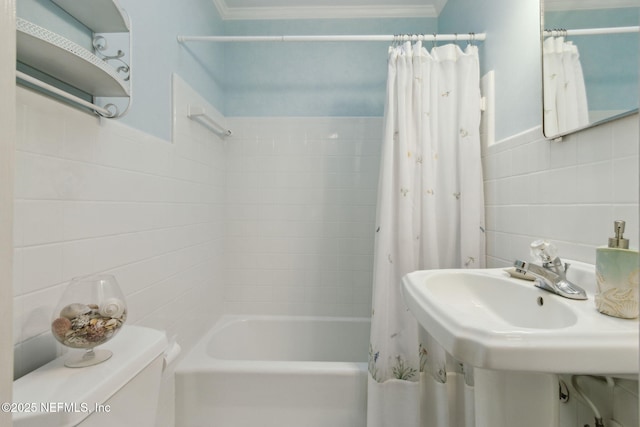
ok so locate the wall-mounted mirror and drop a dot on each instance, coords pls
(589, 62)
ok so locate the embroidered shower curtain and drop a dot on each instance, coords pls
(430, 215)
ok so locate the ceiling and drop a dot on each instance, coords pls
(318, 9)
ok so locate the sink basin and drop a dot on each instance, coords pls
(497, 302)
(492, 321)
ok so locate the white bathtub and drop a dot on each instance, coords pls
(273, 371)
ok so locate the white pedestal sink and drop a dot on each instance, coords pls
(519, 337)
(490, 320)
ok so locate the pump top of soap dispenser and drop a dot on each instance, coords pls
(618, 241)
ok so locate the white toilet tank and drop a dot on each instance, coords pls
(122, 391)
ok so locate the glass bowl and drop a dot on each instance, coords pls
(90, 312)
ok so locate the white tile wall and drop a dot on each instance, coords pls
(569, 192)
(279, 218)
(301, 196)
(96, 196)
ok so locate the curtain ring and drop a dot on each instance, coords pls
(435, 39)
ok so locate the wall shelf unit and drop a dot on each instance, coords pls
(66, 61)
(100, 16)
(93, 73)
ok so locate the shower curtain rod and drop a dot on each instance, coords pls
(591, 31)
(343, 38)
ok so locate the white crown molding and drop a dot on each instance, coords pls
(565, 5)
(328, 12)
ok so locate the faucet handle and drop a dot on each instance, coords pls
(543, 250)
(520, 266)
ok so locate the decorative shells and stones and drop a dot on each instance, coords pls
(88, 325)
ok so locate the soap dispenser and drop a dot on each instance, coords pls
(617, 277)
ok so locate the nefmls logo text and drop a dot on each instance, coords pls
(72, 407)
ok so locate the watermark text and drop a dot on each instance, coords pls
(82, 407)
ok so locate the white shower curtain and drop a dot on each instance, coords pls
(565, 95)
(430, 215)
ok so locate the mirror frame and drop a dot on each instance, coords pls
(578, 129)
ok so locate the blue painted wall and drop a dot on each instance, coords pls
(318, 79)
(246, 79)
(512, 50)
(311, 79)
(157, 54)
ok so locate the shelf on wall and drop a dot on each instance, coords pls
(100, 16)
(66, 61)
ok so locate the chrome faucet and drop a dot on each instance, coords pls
(551, 276)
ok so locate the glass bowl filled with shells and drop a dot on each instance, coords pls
(90, 312)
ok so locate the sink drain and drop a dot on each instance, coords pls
(540, 301)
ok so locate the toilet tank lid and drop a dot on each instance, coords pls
(47, 389)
